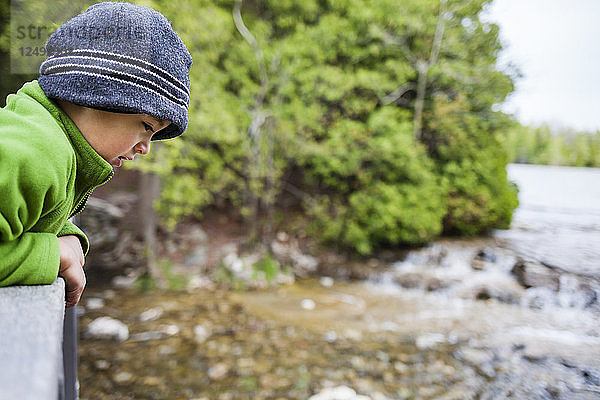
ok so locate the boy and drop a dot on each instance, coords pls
(117, 77)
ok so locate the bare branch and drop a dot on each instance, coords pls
(258, 54)
(398, 93)
(439, 33)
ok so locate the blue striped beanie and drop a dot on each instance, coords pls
(122, 58)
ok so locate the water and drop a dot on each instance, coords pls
(537, 342)
(558, 219)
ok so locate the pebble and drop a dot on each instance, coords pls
(326, 281)
(218, 371)
(338, 393)
(123, 282)
(107, 328)
(330, 336)
(401, 367)
(151, 314)
(102, 365)
(429, 340)
(308, 304)
(94, 303)
(201, 333)
(152, 381)
(122, 377)
(170, 330)
(165, 350)
(145, 336)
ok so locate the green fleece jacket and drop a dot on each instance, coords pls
(47, 172)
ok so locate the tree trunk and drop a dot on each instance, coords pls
(148, 190)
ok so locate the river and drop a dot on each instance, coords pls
(453, 320)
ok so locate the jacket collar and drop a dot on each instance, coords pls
(92, 169)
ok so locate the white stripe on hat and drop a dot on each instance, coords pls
(185, 93)
(115, 71)
(120, 55)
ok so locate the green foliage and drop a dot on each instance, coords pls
(145, 283)
(265, 270)
(175, 281)
(266, 267)
(326, 111)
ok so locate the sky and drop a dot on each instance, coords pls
(556, 45)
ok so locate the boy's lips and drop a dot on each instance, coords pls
(119, 160)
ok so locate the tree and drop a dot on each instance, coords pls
(377, 116)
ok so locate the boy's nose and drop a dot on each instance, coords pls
(143, 148)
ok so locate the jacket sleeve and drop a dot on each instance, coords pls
(28, 191)
(71, 229)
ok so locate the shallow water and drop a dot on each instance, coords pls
(449, 321)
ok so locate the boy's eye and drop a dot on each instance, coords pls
(148, 127)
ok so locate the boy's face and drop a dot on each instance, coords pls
(117, 137)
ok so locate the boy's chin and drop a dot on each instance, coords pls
(117, 162)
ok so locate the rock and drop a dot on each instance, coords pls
(430, 340)
(330, 336)
(539, 298)
(575, 294)
(477, 264)
(288, 253)
(434, 284)
(94, 303)
(201, 333)
(151, 314)
(170, 330)
(235, 264)
(401, 367)
(532, 274)
(326, 281)
(198, 234)
(338, 393)
(107, 328)
(482, 359)
(353, 334)
(197, 256)
(218, 371)
(165, 350)
(124, 282)
(102, 365)
(486, 255)
(410, 280)
(152, 381)
(200, 282)
(145, 336)
(579, 299)
(282, 236)
(484, 286)
(307, 304)
(114, 245)
(122, 377)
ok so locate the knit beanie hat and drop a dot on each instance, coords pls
(122, 58)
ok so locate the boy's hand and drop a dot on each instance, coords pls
(71, 268)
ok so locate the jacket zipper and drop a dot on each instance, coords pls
(81, 204)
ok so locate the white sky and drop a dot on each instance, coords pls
(556, 45)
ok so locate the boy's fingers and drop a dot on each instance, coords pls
(75, 283)
(73, 294)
